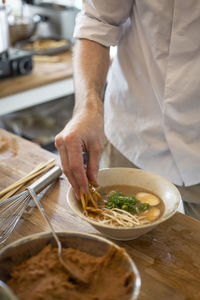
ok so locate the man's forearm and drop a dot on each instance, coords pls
(85, 131)
(91, 63)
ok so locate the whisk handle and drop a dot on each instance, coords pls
(46, 179)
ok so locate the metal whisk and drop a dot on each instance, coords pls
(13, 208)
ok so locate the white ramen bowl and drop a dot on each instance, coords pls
(132, 177)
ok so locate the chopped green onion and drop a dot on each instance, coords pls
(128, 203)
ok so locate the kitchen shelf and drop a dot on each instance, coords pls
(36, 96)
(46, 82)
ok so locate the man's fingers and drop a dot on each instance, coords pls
(94, 155)
(76, 165)
(59, 143)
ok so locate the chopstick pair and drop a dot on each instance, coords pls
(13, 188)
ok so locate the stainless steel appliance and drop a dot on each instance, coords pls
(12, 61)
(60, 18)
(23, 28)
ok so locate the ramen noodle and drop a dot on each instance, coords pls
(121, 205)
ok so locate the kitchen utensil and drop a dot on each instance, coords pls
(28, 45)
(4, 29)
(61, 19)
(22, 28)
(73, 273)
(15, 62)
(38, 170)
(13, 208)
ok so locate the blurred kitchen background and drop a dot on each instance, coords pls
(36, 77)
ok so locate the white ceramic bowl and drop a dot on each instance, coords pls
(16, 252)
(135, 177)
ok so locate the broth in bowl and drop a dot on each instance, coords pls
(122, 205)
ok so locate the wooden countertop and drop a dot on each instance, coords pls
(43, 73)
(167, 258)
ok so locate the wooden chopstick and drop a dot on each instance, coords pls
(13, 188)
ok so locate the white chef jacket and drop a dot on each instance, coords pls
(152, 101)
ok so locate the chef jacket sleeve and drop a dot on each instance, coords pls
(101, 20)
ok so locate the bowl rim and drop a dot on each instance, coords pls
(6, 290)
(48, 234)
(152, 224)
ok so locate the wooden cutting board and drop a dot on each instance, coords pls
(18, 157)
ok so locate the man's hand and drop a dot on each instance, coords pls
(83, 133)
